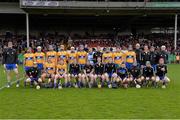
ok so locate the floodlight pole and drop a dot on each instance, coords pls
(175, 32)
(27, 28)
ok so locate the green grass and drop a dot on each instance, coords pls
(93, 103)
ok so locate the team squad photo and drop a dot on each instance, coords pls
(90, 59)
(135, 66)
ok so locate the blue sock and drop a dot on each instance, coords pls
(109, 82)
(79, 84)
(66, 84)
(54, 85)
(102, 83)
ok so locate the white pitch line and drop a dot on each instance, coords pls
(11, 83)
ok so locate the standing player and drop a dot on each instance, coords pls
(138, 52)
(148, 74)
(62, 54)
(99, 72)
(118, 57)
(51, 55)
(49, 72)
(107, 55)
(161, 73)
(81, 56)
(163, 54)
(29, 59)
(130, 57)
(97, 54)
(10, 63)
(39, 58)
(145, 56)
(88, 73)
(74, 72)
(122, 75)
(72, 55)
(90, 56)
(61, 72)
(110, 72)
(153, 57)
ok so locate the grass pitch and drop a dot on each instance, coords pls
(132, 103)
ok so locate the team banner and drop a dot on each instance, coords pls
(40, 3)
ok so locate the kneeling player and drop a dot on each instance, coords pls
(88, 73)
(33, 76)
(122, 73)
(148, 74)
(49, 72)
(74, 72)
(61, 72)
(161, 73)
(136, 75)
(110, 75)
(99, 72)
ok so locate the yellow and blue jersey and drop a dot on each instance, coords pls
(81, 57)
(40, 57)
(130, 57)
(61, 69)
(50, 68)
(118, 57)
(29, 59)
(62, 55)
(71, 57)
(106, 56)
(52, 55)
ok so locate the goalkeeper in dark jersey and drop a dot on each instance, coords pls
(33, 77)
(10, 63)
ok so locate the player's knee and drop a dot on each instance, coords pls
(114, 75)
(157, 79)
(167, 79)
(142, 77)
(153, 78)
(138, 80)
(28, 80)
(39, 80)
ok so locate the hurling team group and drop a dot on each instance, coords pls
(139, 67)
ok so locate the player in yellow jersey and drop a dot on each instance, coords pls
(49, 72)
(81, 56)
(62, 54)
(72, 55)
(40, 58)
(130, 57)
(106, 55)
(29, 59)
(118, 57)
(61, 72)
(51, 54)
